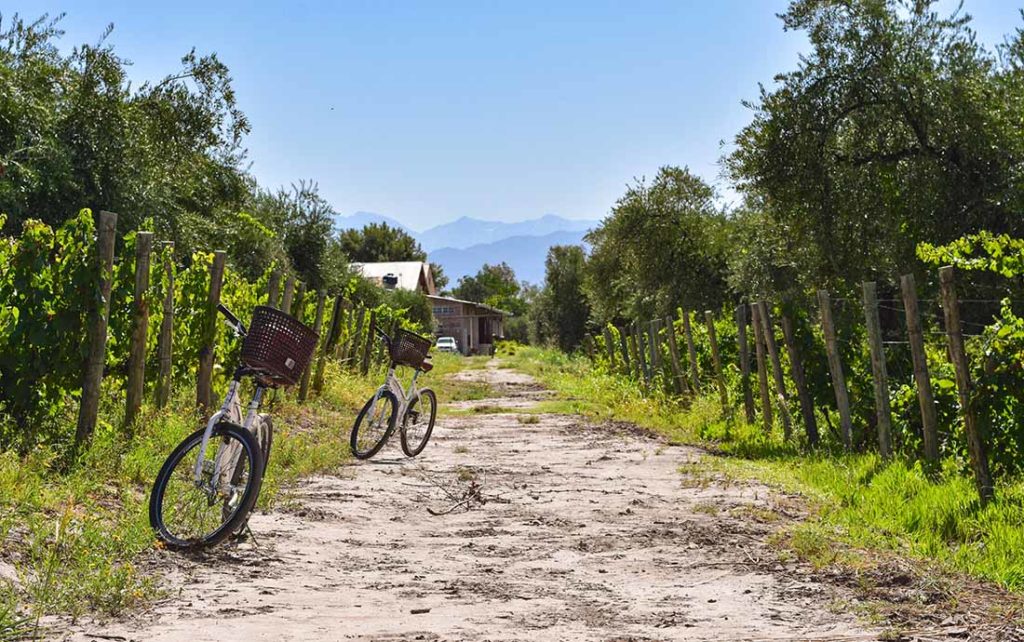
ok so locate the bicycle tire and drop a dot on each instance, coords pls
(267, 440)
(385, 395)
(411, 450)
(253, 460)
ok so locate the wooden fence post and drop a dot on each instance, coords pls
(328, 345)
(364, 369)
(883, 411)
(344, 331)
(780, 383)
(744, 350)
(348, 324)
(925, 399)
(204, 384)
(678, 380)
(965, 388)
(165, 341)
(356, 338)
(762, 370)
(655, 346)
(691, 349)
(99, 316)
(634, 351)
(299, 307)
(835, 368)
(318, 325)
(642, 351)
(609, 347)
(800, 379)
(588, 345)
(624, 345)
(289, 292)
(135, 385)
(709, 318)
(272, 288)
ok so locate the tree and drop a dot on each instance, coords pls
(379, 242)
(440, 278)
(74, 133)
(663, 246)
(562, 309)
(896, 127)
(493, 285)
(307, 232)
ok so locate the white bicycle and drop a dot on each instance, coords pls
(417, 407)
(210, 482)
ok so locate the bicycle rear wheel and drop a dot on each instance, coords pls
(187, 515)
(418, 422)
(375, 423)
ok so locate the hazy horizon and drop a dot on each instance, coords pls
(428, 113)
(420, 229)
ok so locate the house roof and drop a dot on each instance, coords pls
(412, 275)
(476, 303)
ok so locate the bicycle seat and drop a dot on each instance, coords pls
(426, 366)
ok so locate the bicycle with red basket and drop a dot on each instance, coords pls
(210, 482)
(417, 408)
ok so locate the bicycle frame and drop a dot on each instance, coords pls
(231, 410)
(405, 397)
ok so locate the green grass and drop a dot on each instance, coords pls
(857, 500)
(75, 538)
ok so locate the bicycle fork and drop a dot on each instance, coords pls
(229, 405)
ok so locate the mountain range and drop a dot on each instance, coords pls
(462, 246)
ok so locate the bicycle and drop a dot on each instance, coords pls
(418, 408)
(200, 504)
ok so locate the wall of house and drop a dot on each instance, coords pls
(451, 322)
(463, 321)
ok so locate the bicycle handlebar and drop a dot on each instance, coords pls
(231, 320)
(381, 334)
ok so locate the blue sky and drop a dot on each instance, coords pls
(427, 111)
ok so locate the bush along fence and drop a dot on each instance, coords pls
(79, 323)
(780, 365)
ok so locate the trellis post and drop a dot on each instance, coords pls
(925, 398)
(883, 412)
(99, 316)
(204, 383)
(744, 350)
(135, 385)
(965, 388)
(835, 368)
(165, 341)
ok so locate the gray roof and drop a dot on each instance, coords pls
(476, 303)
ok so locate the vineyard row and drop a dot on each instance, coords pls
(62, 286)
(651, 352)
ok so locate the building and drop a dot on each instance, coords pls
(474, 325)
(400, 275)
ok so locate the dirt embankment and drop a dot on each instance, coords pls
(509, 528)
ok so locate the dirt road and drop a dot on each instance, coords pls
(557, 530)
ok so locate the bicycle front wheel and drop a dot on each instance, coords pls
(375, 423)
(418, 422)
(191, 514)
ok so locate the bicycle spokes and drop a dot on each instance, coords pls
(376, 422)
(193, 510)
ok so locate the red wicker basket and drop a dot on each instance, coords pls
(279, 344)
(409, 349)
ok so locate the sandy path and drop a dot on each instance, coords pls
(587, 533)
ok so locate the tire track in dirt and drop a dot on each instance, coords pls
(561, 531)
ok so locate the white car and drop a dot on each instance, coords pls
(447, 344)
